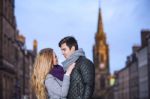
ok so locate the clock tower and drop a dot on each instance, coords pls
(101, 60)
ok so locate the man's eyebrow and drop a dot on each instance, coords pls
(63, 49)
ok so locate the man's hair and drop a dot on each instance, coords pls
(70, 42)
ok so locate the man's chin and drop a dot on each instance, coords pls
(65, 57)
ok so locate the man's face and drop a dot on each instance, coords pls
(55, 59)
(66, 51)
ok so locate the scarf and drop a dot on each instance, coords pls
(73, 58)
(58, 72)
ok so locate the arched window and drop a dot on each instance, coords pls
(102, 83)
(102, 58)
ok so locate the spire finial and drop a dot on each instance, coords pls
(100, 23)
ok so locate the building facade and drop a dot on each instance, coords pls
(133, 81)
(15, 60)
(123, 80)
(143, 66)
(133, 75)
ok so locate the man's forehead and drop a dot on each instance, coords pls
(63, 45)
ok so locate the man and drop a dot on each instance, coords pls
(83, 76)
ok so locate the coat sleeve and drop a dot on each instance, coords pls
(65, 86)
(88, 74)
(54, 88)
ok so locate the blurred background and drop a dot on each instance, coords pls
(115, 35)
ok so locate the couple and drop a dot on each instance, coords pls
(75, 80)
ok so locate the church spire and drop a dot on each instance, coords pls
(100, 23)
(100, 32)
(101, 60)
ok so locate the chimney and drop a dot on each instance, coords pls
(35, 44)
(135, 48)
(144, 37)
(21, 39)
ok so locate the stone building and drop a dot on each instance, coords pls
(101, 61)
(16, 60)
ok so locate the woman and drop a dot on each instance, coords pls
(48, 78)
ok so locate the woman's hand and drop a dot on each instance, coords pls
(69, 69)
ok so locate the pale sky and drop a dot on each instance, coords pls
(49, 21)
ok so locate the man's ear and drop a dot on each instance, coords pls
(73, 48)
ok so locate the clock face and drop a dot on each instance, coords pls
(102, 66)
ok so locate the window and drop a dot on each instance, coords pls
(102, 83)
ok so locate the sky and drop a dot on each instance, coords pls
(48, 21)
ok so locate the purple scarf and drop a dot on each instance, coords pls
(58, 72)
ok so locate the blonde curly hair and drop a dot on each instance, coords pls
(42, 66)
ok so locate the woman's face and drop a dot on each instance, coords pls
(55, 60)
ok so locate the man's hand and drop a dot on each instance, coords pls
(69, 69)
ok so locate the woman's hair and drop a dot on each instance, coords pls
(42, 66)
